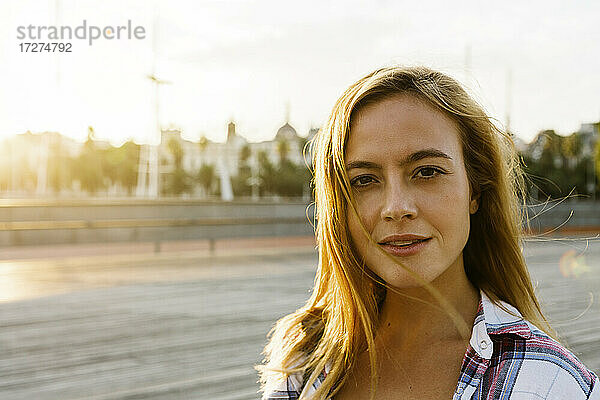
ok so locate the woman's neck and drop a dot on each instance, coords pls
(408, 322)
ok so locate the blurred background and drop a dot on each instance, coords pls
(155, 198)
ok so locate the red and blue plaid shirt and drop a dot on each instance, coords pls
(507, 358)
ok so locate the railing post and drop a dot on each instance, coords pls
(211, 246)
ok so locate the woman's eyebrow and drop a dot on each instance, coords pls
(414, 157)
(425, 153)
(362, 164)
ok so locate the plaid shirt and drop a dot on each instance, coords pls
(507, 358)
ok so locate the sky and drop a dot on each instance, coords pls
(251, 61)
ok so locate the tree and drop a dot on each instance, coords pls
(597, 160)
(241, 182)
(286, 179)
(571, 149)
(560, 168)
(60, 171)
(177, 182)
(267, 174)
(291, 179)
(206, 177)
(283, 150)
(176, 151)
(580, 175)
(202, 143)
(245, 154)
(88, 168)
(121, 164)
(571, 145)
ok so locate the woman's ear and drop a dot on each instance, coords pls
(474, 204)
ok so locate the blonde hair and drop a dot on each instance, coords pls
(339, 320)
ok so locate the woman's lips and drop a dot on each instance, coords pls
(403, 251)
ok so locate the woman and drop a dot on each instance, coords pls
(422, 291)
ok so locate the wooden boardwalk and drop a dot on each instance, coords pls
(186, 326)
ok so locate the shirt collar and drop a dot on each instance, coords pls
(492, 320)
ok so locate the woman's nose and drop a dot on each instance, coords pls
(398, 203)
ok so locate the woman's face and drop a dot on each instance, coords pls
(405, 164)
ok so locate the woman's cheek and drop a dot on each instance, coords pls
(355, 220)
(365, 206)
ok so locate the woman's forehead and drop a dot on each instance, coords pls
(401, 124)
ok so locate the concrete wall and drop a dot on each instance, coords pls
(568, 216)
(98, 210)
(172, 220)
(165, 220)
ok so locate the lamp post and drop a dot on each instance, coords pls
(254, 180)
(148, 161)
(591, 183)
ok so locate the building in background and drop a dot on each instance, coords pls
(27, 158)
(49, 164)
(236, 158)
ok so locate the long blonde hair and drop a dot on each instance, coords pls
(339, 320)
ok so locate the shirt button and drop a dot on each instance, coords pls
(459, 390)
(483, 345)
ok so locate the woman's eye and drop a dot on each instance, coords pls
(362, 180)
(429, 172)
